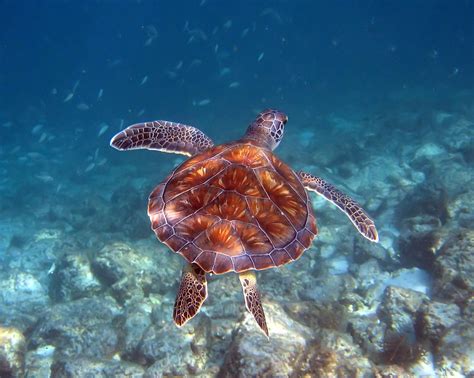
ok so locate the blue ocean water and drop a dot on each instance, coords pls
(380, 101)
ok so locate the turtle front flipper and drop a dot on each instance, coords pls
(191, 294)
(351, 208)
(252, 299)
(162, 136)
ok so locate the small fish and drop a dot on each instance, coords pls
(151, 31)
(89, 168)
(82, 106)
(122, 122)
(44, 177)
(52, 269)
(195, 33)
(244, 32)
(234, 84)
(96, 153)
(202, 3)
(260, 57)
(195, 62)
(224, 71)
(42, 138)
(171, 74)
(228, 24)
(141, 112)
(115, 63)
(37, 128)
(7, 124)
(76, 84)
(204, 102)
(34, 155)
(101, 162)
(149, 41)
(103, 129)
(144, 80)
(99, 95)
(54, 91)
(69, 97)
(45, 351)
(179, 65)
(59, 187)
(216, 48)
(272, 13)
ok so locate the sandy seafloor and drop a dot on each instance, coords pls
(87, 290)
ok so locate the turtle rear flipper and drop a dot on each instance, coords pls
(191, 294)
(351, 208)
(162, 136)
(252, 299)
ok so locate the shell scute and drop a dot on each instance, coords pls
(192, 177)
(233, 208)
(221, 238)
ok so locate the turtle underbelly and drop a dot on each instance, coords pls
(233, 208)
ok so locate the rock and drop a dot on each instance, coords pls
(459, 135)
(253, 354)
(455, 352)
(453, 269)
(368, 332)
(419, 241)
(316, 315)
(399, 307)
(332, 354)
(175, 351)
(137, 321)
(84, 327)
(435, 318)
(428, 151)
(39, 361)
(132, 274)
(22, 300)
(383, 251)
(73, 278)
(12, 352)
(90, 367)
(327, 288)
(461, 208)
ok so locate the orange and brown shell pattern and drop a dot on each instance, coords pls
(234, 207)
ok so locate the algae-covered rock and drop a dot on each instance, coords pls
(80, 328)
(131, 273)
(434, 319)
(419, 241)
(176, 351)
(97, 368)
(73, 278)
(455, 352)
(399, 307)
(333, 354)
(368, 332)
(39, 361)
(22, 300)
(251, 353)
(137, 320)
(453, 269)
(12, 352)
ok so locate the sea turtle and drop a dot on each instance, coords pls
(235, 207)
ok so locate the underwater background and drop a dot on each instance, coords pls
(380, 100)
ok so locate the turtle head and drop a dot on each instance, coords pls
(267, 129)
